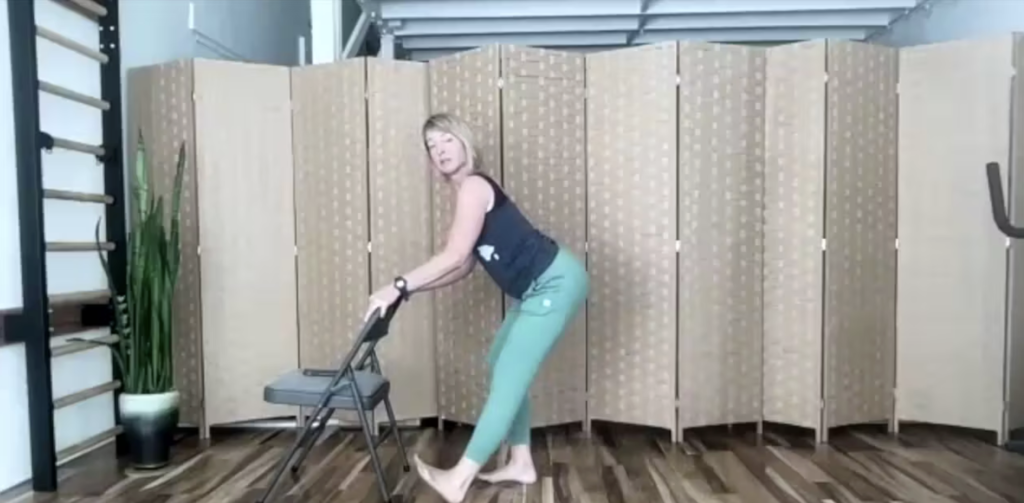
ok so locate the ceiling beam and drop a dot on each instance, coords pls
(426, 27)
(663, 7)
(480, 9)
(754, 35)
(483, 9)
(536, 40)
(874, 18)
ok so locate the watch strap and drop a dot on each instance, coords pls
(402, 285)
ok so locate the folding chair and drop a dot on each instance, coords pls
(352, 388)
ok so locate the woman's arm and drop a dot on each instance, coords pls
(470, 210)
(452, 277)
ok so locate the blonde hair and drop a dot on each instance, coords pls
(449, 123)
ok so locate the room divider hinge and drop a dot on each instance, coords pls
(824, 245)
(679, 79)
(1007, 243)
(501, 83)
(295, 249)
(821, 404)
(826, 77)
(199, 250)
(678, 246)
(369, 247)
(896, 243)
(586, 246)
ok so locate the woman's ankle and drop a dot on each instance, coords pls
(520, 455)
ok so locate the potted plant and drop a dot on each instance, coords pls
(149, 402)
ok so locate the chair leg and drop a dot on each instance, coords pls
(371, 444)
(308, 445)
(397, 434)
(287, 459)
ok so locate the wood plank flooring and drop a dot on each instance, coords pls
(614, 465)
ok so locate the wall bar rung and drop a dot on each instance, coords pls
(64, 92)
(67, 43)
(92, 297)
(89, 443)
(78, 146)
(86, 394)
(89, 6)
(71, 348)
(67, 246)
(84, 197)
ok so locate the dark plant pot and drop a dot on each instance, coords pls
(149, 422)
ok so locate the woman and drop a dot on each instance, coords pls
(549, 283)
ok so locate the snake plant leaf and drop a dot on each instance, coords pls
(143, 313)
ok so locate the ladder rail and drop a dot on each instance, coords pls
(33, 321)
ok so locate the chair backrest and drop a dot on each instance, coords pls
(375, 329)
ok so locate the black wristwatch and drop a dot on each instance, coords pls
(403, 287)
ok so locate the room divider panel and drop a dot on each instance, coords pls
(860, 232)
(631, 225)
(543, 141)
(960, 108)
(829, 234)
(467, 314)
(1014, 392)
(246, 233)
(363, 214)
(236, 324)
(400, 225)
(794, 228)
(721, 206)
(331, 211)
(159, 106)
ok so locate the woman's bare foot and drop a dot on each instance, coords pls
(519, 468)
(518, 472)
(442, 481)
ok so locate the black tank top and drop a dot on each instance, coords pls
(510, 248)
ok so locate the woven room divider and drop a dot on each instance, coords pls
(960, 336)
(736, 207)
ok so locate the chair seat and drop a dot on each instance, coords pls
(295, 388)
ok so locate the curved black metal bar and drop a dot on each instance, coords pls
(999, 211)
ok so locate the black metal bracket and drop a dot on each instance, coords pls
(110, 155)
(14, 328)
(45, 141)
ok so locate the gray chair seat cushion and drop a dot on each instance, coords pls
(294, 388)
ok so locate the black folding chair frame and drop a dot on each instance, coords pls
(375, 329)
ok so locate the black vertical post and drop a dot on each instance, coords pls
(35, 313)
(113, 167)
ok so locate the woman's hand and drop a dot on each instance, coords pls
(382, 299)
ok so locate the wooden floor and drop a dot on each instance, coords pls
(615, 464)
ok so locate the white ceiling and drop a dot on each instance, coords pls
(428, 28)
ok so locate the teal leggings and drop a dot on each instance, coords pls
(530, 330)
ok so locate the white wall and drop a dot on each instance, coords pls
(944, 20)
(152, 31)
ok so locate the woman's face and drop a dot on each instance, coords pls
(447, 153)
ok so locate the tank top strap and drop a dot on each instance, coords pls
(499, 193)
